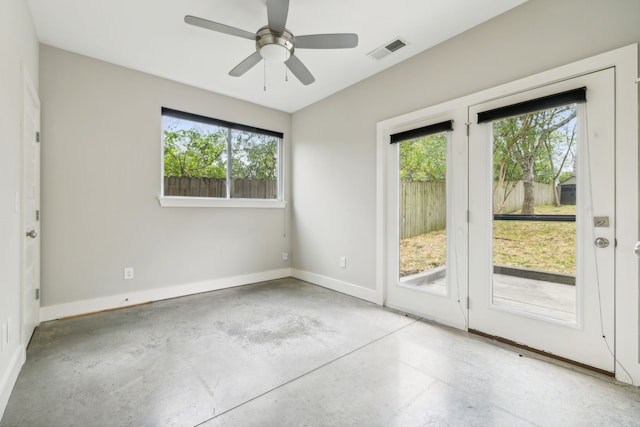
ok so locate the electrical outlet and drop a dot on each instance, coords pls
(343, 262)
(285, 256)
(128, 273)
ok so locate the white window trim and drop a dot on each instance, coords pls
(219, 202)
(212, 202)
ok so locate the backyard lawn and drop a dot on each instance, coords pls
(547, 246)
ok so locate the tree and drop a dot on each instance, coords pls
(255, 156)
(566, 153)
(518, 144)
(424, 159)
(201, 152)
(194, 153)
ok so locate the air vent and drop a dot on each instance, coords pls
(395, 45)
(388, 48)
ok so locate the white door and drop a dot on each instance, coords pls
(30, 213)
(425, 216)
(536, 277)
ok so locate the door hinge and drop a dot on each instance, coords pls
(468, 125)
(37, 294)
(38, 215)
(37, 136)
(468, 303)
(468, 216)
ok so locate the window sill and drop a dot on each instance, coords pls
(205, 202)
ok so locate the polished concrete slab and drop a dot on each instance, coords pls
(287, 353)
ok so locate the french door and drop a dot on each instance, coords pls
(542, 220)
(507, 226)
(426, 182)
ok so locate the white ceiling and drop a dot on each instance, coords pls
(151, 36)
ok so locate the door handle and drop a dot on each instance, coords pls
(601, 242)
(636, 249)
(32, 234)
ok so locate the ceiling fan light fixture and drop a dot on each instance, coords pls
(274, 47)
(274, 53)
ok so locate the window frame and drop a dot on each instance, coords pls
(226, 202)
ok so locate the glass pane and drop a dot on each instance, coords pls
(195, 159)
(423, 212)
(254, 165)
(534, 207)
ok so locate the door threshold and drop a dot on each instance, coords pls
(543, 353)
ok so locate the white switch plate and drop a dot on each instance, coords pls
(343, 262)
(128, 273)
(285, 256)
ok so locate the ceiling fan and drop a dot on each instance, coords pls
(275, 43)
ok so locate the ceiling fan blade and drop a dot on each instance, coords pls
(326, 41)
(300, 70)
(277, 11)
(246, 65)
(221, 28)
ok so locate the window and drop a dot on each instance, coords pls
(422, 166)
(210, 162)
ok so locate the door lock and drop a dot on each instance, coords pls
(601, 242)
(32, 234)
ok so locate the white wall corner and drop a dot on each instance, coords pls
(76, 308)
(381, 219)
(10, 376)
(627, 342)
(347, 288)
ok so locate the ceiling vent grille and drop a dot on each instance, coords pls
(387, 48)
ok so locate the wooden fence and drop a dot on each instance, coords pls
(217, 187)
(543, 196)
(422, 207)
(423, 204)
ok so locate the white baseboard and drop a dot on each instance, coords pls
(366, 294)
(76, 308)
(10, 377)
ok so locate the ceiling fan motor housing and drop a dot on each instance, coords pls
(274, 46)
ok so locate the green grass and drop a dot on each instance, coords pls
(547, 246)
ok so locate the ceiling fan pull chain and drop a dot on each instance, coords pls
(286, 70)
(265, 75)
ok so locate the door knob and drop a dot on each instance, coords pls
(636, 249)
(32, 234)
(601, 242)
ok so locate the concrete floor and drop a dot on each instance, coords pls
(287, 353)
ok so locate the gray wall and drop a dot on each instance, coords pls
(18, 48)
(101, 155)
(336, 138)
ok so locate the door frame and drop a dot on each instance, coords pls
(627, 294)
(29, 95)
(451, 308)
(582, 340)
